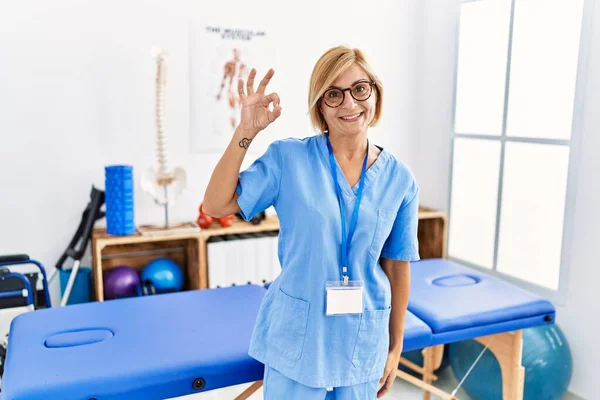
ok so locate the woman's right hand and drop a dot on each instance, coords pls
(256, 114)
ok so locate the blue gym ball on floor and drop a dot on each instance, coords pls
(546, 358)
(166, 275)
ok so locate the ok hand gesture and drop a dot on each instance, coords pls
(256, 113)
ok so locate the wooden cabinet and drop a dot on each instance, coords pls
(433, 227)
(190, 251)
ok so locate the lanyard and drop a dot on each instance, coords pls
(346, 241)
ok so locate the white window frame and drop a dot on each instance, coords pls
(574, 143)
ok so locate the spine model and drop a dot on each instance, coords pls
(160, 110)
(164, 183)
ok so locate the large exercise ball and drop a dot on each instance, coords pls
(165, 274)
(546, 358)
(120, 282)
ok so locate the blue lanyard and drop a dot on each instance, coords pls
(346, 241)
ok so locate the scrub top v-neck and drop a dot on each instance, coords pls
(292, 333)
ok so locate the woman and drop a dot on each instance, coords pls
(331, 324)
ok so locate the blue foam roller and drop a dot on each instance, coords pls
(119, 199)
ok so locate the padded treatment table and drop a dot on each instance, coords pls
(417, 334)
(170, 345)
(152, 347)
(460, 303)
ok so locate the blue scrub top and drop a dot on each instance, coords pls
(292, 333)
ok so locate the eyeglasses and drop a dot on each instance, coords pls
(360, 91)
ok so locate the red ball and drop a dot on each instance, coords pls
(226, 221)
(204, 221)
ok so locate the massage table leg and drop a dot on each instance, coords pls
(416, 368)
(250, 390)
(507, 347)
(432, 359)
(425, 386)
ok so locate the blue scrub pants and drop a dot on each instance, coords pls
(277, 386)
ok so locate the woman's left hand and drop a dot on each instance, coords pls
(389, 373)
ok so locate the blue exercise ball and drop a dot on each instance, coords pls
(546, 358)
(165, 274)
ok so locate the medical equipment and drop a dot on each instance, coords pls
(100, 350)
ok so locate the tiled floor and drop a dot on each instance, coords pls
(400, 391)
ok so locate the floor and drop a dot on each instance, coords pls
(401, 390)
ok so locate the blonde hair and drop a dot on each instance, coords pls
(333, 63)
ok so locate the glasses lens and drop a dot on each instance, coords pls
(333, 97)
(361, 91)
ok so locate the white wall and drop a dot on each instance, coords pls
(76, 94)
(577, 317)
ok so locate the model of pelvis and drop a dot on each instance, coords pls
(163, 184)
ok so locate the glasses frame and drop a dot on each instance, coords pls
(371, 84)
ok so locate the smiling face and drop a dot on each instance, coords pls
(351, 117)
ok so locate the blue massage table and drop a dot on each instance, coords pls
(457, 303)
(170, 345)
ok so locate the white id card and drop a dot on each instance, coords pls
(344, 299)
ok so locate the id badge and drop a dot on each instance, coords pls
(344, 299)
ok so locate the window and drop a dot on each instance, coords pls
(516, 115)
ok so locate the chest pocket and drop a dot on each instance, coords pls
(385, 222)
